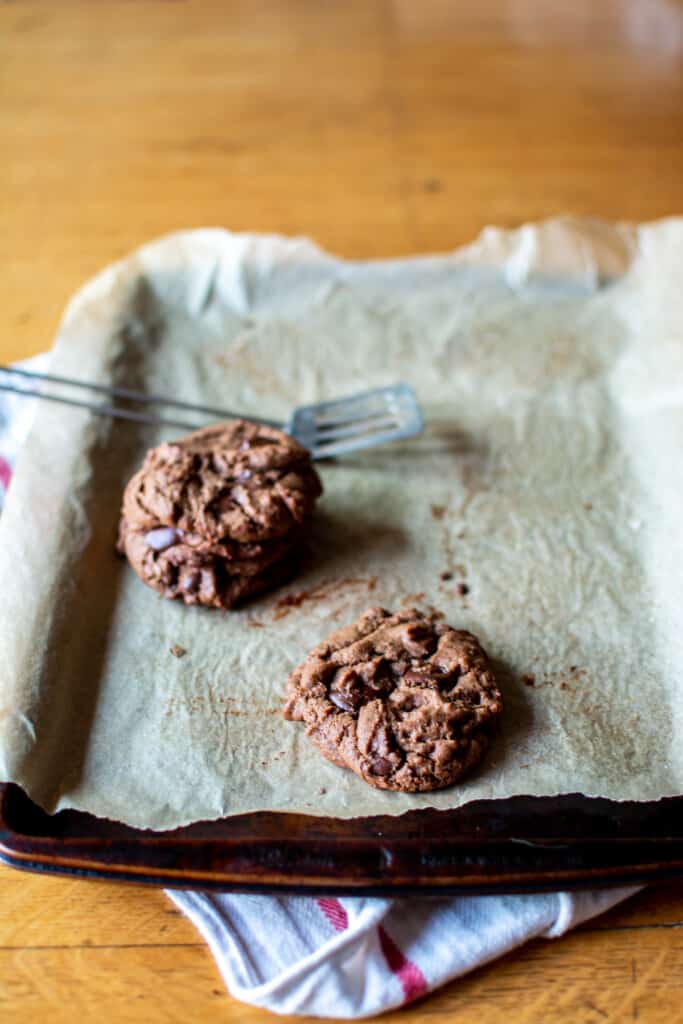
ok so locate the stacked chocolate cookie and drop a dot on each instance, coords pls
(219, 515)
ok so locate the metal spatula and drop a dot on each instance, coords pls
(327, 428)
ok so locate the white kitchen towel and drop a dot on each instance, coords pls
(347, 958)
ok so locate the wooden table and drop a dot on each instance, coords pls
(378, 128)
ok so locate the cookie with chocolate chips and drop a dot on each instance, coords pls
(406, 702)
(219, 515)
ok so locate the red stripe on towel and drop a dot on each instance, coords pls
(5, 473)
(409, 974)
(335, 913)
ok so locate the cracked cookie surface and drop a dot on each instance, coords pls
(404, 701)
(219, 515)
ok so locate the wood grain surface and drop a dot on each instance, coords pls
(380, 129)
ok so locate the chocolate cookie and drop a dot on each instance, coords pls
(405, 702)
(219, 515)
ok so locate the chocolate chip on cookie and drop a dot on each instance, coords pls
(219, 515)
(405, 701)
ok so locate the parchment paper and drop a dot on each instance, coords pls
(549, 363)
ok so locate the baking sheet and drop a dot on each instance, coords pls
(549, 363)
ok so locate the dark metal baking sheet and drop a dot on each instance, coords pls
(519, 844)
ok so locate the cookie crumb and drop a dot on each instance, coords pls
(564, 686)
(177, 651)
(438, 511)
(255, 624)
(529, 679)
(463, 589)
(446, 575)
(322, 791)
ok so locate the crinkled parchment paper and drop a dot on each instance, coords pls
(542, 509)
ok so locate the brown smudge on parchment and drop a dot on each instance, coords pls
(475, 482)
(217, 704)
(564, 680)
(451, 568)
(434, 614)
(325, 590)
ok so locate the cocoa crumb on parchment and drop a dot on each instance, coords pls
(177, 651)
